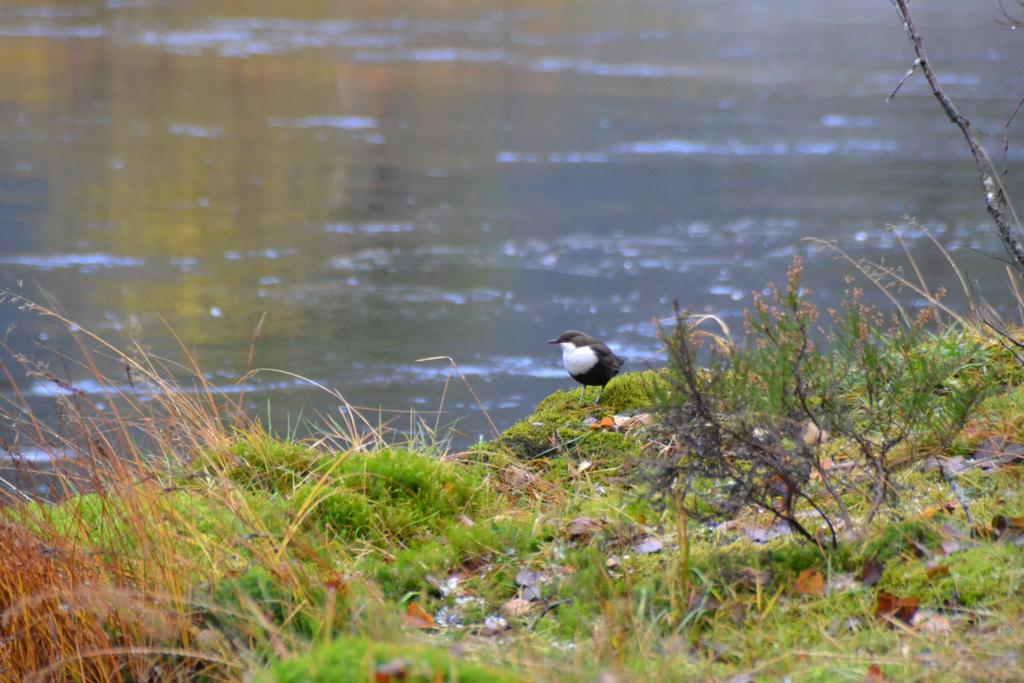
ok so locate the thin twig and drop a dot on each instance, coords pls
(910, 72)
(547, 608)
(1006, 134)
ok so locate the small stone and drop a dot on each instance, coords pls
(494, 624)
(526, 577)
(647, 546)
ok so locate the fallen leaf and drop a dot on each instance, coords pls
(647, 545)
(1007, 526)
(752, 579)
(517, 607)
(417, 617)
(810, 582)
(871, 572)
(927, 621)
(517, 478)
(759, 534)
(395, 670)
(929, 512)
(582, 526)
(826, 464)
(997, 451)
(813, 435)
(888, 605)
(874, 674)
(702, 601)
(937, 571)
(335, 582)
(950, 466)
(950, 546)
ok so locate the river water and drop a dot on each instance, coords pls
(391, 181)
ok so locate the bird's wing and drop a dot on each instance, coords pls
(606, 354)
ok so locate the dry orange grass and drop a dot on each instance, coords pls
(53, 611)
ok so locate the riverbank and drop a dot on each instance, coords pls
(210, 549)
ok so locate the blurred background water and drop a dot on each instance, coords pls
(395, 180)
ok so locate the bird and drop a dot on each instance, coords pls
(588, 361)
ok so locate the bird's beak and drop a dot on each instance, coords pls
(552, 341)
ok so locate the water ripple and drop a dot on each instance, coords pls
(85, 262)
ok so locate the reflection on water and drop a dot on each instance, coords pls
(391, 181)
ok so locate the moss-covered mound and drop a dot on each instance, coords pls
(557, 427)
(385, 496)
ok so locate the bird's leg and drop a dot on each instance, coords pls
(583, 387)
(599, 392)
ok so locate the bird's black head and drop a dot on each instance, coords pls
(571, 336)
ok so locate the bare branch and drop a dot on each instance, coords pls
(996, 201)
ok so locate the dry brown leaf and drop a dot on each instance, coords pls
(813, 435)
(810, 582)
(889, 605)
(871, 572)
(929, 512)
(517, 607)
(752, 578)
(395, 670)
(874, 674)
(1004, 525)
(582, 526)
(417, 617)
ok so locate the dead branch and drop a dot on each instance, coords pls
(996, 201)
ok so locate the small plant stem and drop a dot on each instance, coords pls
(958, 492)
(684, 547)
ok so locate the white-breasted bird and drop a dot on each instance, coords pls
(587, 360)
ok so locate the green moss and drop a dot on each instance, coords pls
(391, 496)
(983, 576)
(557, 427)
(900, 538)
(271, 595)
(356, 660)
(504, 543)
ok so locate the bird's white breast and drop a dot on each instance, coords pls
(578, 361)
